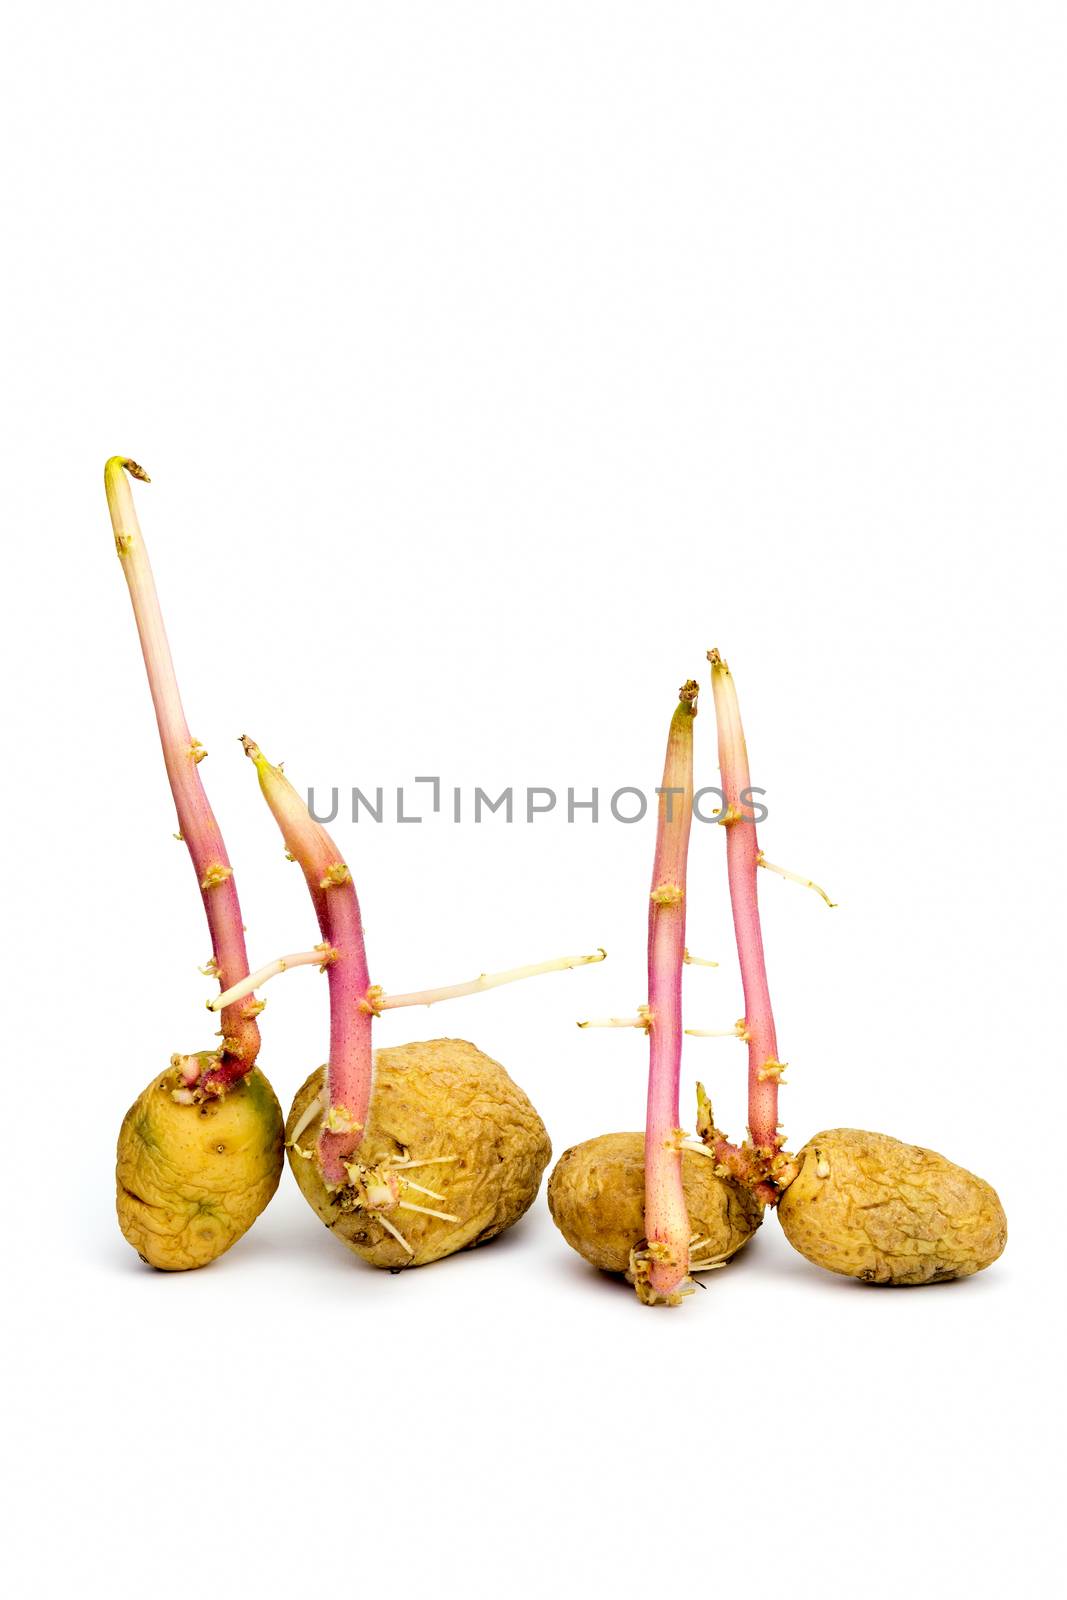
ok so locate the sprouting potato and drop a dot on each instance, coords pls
(873, 1208)
(444, 1118)
(191, 1179)
(200, 1151)
(596, 1195)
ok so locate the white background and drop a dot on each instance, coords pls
(492, 361)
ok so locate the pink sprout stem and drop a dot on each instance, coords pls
(182, 755)
(742, 859)
(666, 1218)
(333, 895)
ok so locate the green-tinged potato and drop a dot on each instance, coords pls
(596, 1195)
(870, 1207)
(191, 1179)
(470, 1133)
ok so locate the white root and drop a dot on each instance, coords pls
(409, 1205)
(643, 1020)
(321, 956)
(314, 1108)
(396, 1233)
(795, 877)
(431, 1194)
(427, 1161)
(738, 1031)
(486, 980)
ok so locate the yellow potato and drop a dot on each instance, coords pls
(192, 1179)
(596, 1195)
(473, 1138)
(870, 1207)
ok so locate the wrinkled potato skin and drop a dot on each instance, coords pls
(190, 1180)
(596, 1195)
(438, 1098)
(889, 1212)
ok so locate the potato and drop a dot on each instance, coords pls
(870, 1207)
(596, 1195)
(191, 1179)
(473, 1138)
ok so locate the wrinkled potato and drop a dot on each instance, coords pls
(870, 1207)
(596, 1195)
(190, 1180)
(441, 1098)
